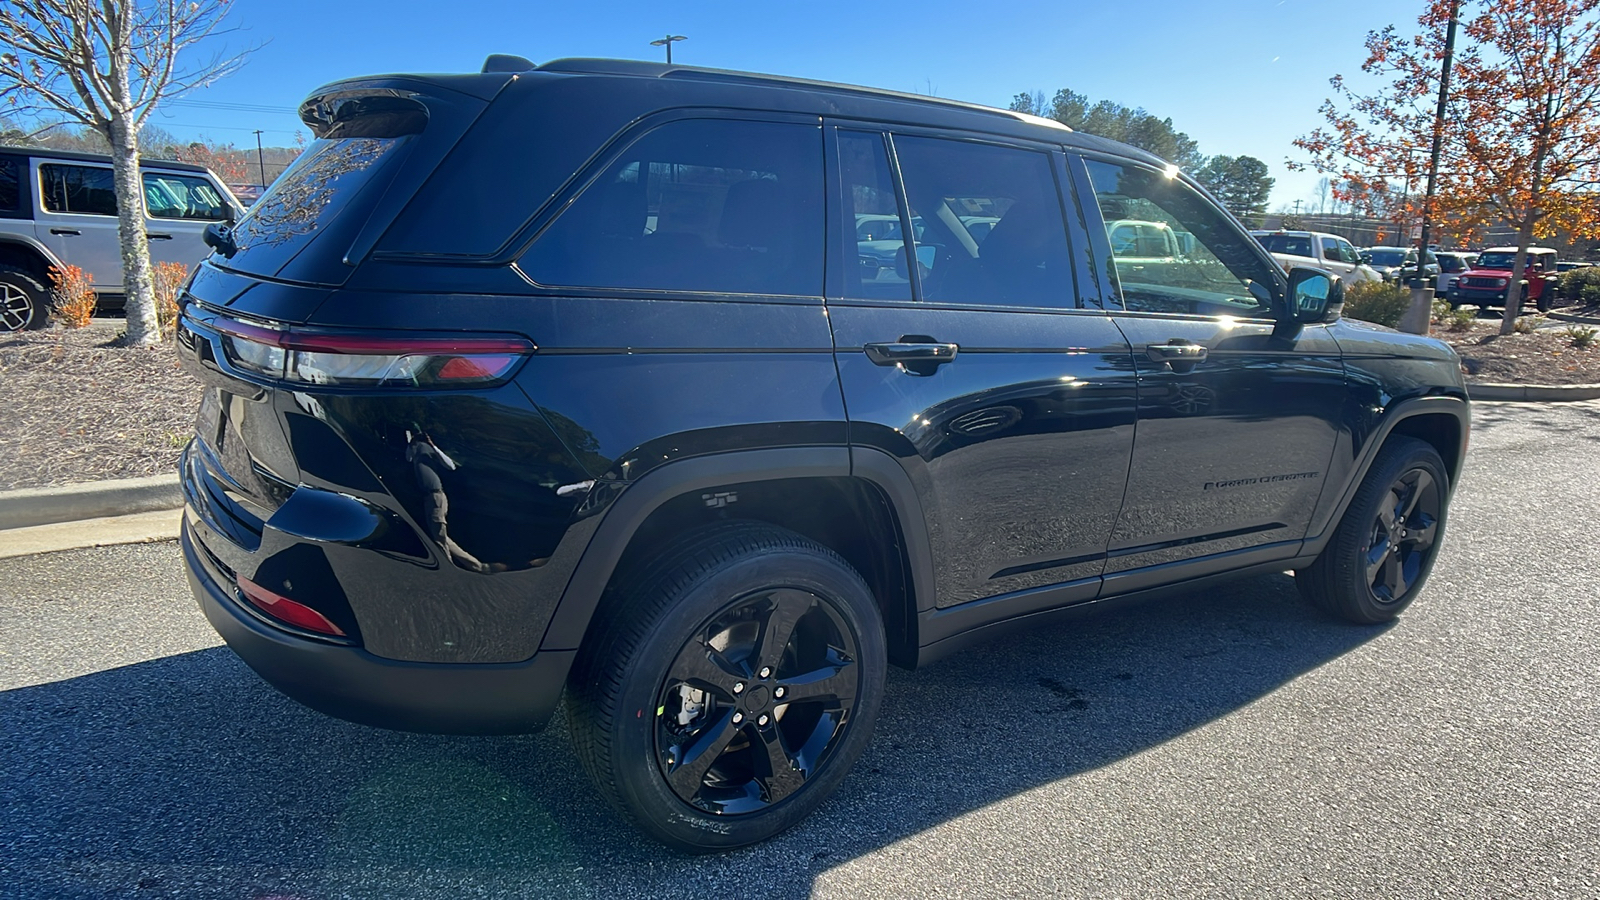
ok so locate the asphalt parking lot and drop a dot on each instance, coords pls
(1230, 743)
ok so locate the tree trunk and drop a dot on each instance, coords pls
(1519, 268)
(137, 284)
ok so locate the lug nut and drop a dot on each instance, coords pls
(738, 687)
(762, 721)
(766, 672)
(779, 692)
(738, 717)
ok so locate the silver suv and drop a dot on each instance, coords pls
(58, 207)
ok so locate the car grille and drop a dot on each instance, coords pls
(1481, 282)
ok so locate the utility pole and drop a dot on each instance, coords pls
(261, 163)
(1417, 318)
(667, 42)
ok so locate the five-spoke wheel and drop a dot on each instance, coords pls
(1383, 549)
(730, 685)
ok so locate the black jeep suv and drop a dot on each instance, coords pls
(584, 378)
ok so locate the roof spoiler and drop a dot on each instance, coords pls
(506, 62)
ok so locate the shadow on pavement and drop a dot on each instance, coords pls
(189, 776)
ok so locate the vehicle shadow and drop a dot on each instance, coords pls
(190, 775)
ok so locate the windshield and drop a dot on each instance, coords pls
(1387, 257)
(1287, 244)
(1494, 260)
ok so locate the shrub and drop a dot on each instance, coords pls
(168, 278)
(72, 296)
(1581, 336)
(1527, 325)
(1574, 285)
(1377, 301)
(1590, 295)
(1461, 319)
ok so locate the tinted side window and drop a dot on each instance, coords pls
(1330, 249)
(11, 170)
(78, 189)
(1211, 272)
(880, 272)
(182, 197)
(696, 205)
(992, 230)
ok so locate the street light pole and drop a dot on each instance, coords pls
(667, 42)
(261, 163)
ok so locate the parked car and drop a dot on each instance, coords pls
(1565, 266)
(58, 207)
(1399, 264)
(642, 430)
(1484, 284)
(1451, 264)
(1315, 248)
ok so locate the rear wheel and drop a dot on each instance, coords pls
(1384, 547)
(23, 301)
(731, 685)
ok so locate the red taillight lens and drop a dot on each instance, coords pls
(367, 360)
(285, 610)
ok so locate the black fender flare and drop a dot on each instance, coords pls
(1393, 416)
(31, 246)
(637, 501)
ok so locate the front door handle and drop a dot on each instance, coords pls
(65, 231)
(158, 237)
(1180, 354)
(916, 354)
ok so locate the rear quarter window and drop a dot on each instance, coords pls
(11, 178)
(702, 205)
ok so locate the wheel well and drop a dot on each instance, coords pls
(849, 516)
(1442, 430)
(24, 257)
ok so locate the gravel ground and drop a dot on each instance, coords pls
(78, 410)
(1223, 744)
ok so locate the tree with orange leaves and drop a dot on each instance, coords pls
(1521, 127)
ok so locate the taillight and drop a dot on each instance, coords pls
(314, 357)
(285, 610)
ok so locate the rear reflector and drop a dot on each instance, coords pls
(285, 610)
(319, 357)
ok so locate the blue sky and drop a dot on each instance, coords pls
(1240, 76)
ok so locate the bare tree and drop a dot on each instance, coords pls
(107, 64)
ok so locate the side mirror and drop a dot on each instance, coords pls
(219, 237)
(1315, 296)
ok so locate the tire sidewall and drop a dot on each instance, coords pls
(1354, 543)
(637, 773)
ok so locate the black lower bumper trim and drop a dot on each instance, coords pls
(352, 684)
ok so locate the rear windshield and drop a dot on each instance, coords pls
(321, 184)
(1287, 244)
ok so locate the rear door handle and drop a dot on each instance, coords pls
(65, 231)
(158, 237)
(1178, 353)
(911, 354)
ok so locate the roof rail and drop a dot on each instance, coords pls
(507, 62)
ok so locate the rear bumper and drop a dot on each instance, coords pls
(350, 683)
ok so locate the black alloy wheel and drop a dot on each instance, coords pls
(756, 702)
(727, 685)
(1380, 555)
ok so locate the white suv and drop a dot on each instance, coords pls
(59, 207)
(1316, 248)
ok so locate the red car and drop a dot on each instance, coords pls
(1485, 283)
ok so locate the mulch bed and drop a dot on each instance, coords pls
(1544, 357)
(79, 410)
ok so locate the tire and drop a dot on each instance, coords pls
(1369, 572)
(24, 302)
(1543, 303)
(720, 717)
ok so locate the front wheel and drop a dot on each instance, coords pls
(1384, 547)
(730, 686)
(23, 301)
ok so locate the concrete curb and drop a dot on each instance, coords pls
(1573, 317)
(1549, 393)
(91, 500)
